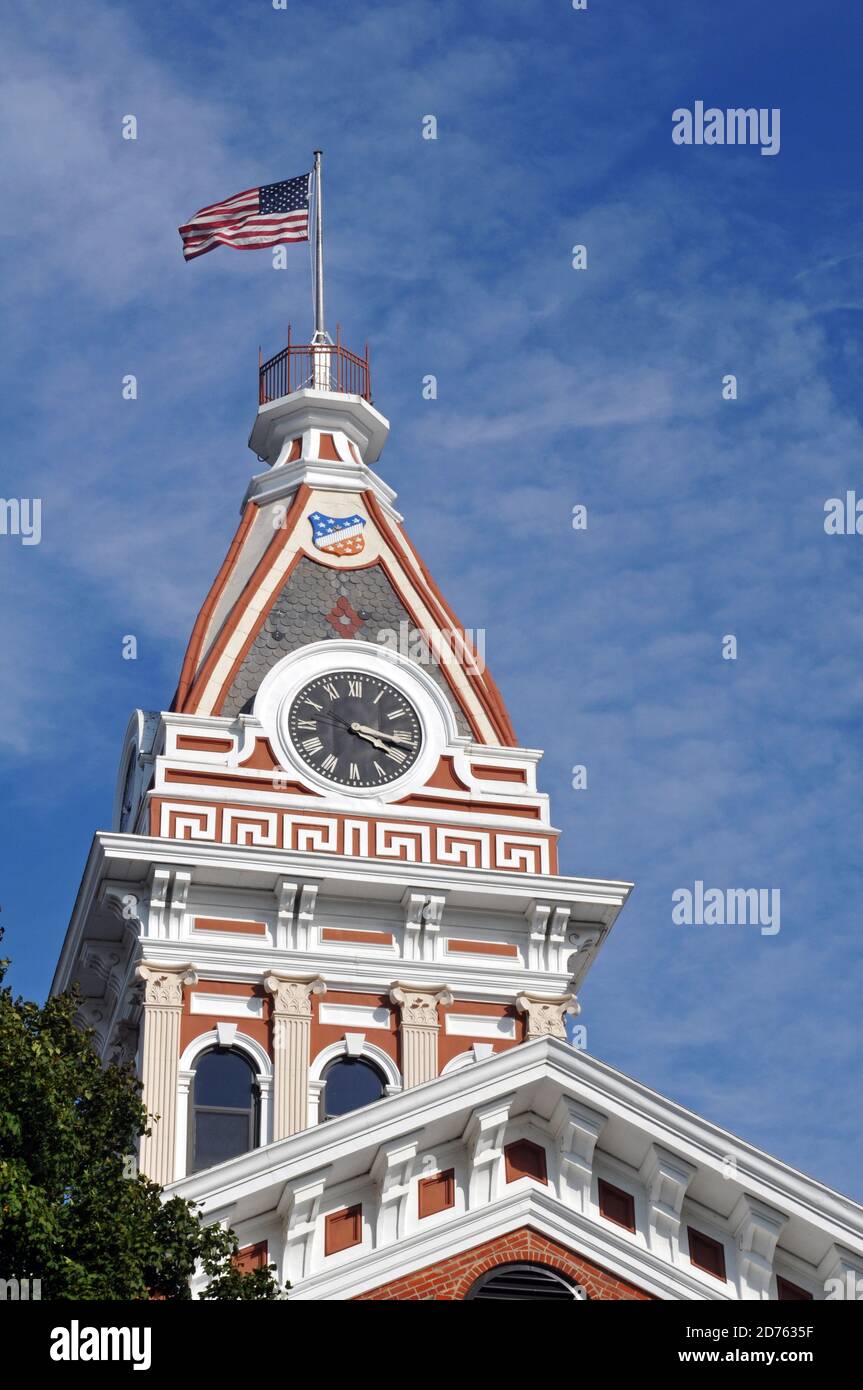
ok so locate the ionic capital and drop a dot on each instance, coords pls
(545, 1014)
(163, 984)
(292, 997)
(419, 1006)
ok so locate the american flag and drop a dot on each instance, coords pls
(337, 535)
(260, 217)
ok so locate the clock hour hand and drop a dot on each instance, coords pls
(366, 732)
(370, 735)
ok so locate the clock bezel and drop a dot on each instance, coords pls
(284, 682)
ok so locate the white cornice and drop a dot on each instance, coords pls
(498, 885)
(344, 971)
(356, 1137)
(290, 415)
(321, 474)
(130, 858)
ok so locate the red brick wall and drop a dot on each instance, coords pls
(452, 1278)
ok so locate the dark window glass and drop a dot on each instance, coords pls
(223, 1078)
(350, 1083)
(224, 1108)
(219, 1137)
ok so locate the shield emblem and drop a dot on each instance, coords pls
(337, 535)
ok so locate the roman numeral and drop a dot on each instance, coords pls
(329, 763)
(307, 723)
(355, 688)
(354, 772)
(397, 714)
(332, 689)
(382, 772)
(313, 745)
(404, 736)
(397, 755)
(307, 701)
(379, 696)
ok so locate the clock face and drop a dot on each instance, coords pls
(355, 729)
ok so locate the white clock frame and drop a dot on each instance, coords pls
(279, 687)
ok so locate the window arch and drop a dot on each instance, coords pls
(349, 1083)
(224, 1104)
(523, 1282)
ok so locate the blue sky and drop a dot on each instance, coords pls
(556, 387)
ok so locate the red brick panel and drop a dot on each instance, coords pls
(251, 1257)
(450, 1279)
(524, 1159)
(436, 1194)
(342, 1229)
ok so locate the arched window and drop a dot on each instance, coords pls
(349, 1084)
(523, 1282)
(224, 1101)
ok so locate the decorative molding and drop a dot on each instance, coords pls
(292, 996)
(480, 1026)
(756, 1229)
(164, 984)
(302, 1204)
(423, 916)
(576, 1128)
(483, 1137)
(391, 1172)
(226, 1005)
(410, 841)
(666, 1178)
(545, 1015)
(354, 1015)
(419, 1004)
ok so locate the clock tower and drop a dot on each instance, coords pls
(328, 927)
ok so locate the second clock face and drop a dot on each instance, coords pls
(355, 729)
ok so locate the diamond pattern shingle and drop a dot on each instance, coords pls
(302, 614)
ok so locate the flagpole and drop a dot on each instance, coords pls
(320, 331)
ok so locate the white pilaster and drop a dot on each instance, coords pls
(163, 1007)
(292, 1023)
(419, 1030)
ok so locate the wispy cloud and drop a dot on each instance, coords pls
(555, 387)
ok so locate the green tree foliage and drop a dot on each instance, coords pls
(72, 1211)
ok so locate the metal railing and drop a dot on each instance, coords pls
(319, 366)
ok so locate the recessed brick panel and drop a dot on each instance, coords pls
(524, 1159)
(436, 1194)
(706, 1253)
(342, 1229)
(616, 1205)
(251, 1257)
(786, 1292)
